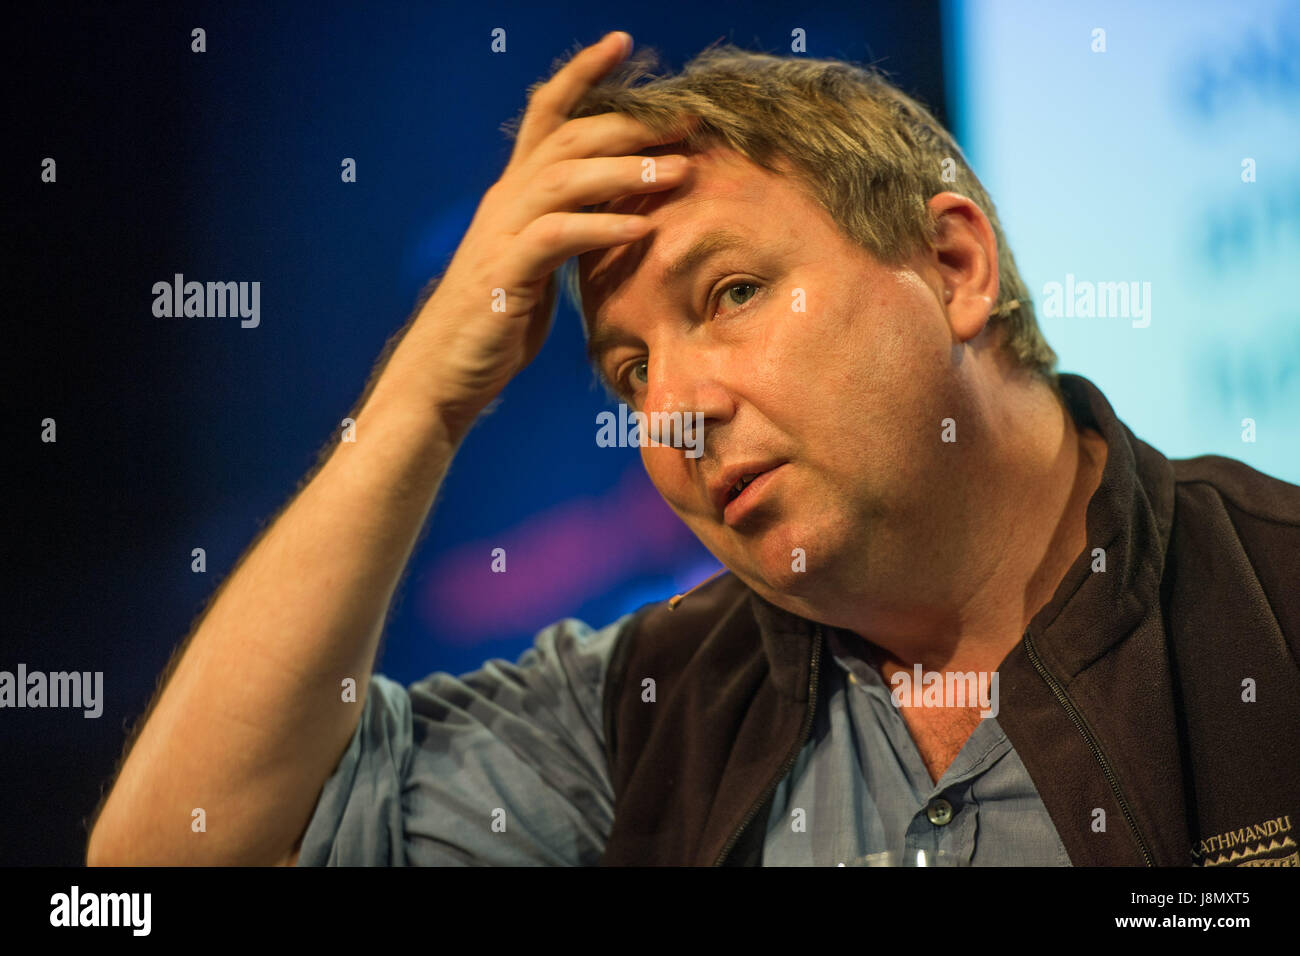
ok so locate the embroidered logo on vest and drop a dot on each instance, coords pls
(1265, 844)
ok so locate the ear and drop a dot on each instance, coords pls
(965, 259)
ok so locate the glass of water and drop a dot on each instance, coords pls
(909, 858)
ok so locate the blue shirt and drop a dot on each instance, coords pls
(868, 799)
(505, 766)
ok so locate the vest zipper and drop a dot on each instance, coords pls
(1090, 740)
(794, 754)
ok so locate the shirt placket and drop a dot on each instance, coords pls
(943, 828)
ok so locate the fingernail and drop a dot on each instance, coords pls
(625, 39)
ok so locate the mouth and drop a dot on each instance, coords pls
(745, 490)
(740, 486)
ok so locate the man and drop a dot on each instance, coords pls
(898, 484)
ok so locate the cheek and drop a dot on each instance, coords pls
(784, 364)
(861, 378)
(811, 367)
(670, 472)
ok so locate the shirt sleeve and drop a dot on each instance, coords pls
(503, 766)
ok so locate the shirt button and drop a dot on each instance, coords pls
(939, 811)
(853, 678)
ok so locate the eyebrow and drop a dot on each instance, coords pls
(701, 250)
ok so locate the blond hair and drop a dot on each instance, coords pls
(869, 154)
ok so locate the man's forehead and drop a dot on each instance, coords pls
(721, 194)
(716, 169)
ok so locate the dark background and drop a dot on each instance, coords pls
(177, 433)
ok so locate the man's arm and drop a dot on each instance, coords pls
(438, 765)
(250, 724)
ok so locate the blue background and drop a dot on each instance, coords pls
(1126, 165)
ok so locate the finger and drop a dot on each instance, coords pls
(548, 241)
(574, 183)
(605, 134)
(550, 104)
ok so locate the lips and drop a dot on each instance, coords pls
(739, 486)
(728, 485)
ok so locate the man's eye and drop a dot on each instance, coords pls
(636, 375)
(737, 293)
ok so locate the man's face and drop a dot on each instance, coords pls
(805, 356)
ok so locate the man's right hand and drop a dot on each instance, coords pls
(527, 224)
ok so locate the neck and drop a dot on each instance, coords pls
(1021, 522)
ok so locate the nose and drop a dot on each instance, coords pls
(692, 381)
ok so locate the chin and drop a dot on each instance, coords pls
(782, 562)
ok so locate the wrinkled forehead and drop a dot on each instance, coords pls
(723, 189)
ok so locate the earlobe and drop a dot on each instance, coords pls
(967, 316)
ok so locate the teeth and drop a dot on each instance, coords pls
(739, 486)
